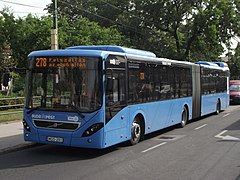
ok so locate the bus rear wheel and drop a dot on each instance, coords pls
(136, 131)
(184, 117)
(218, 108)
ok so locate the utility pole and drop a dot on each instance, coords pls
(54, 31)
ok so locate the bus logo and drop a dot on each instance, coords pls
(73, 118)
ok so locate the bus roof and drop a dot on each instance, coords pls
(92, 51)
(116, 49)
(101, 51)
(218, 65)
(65, 53)
(207, 63)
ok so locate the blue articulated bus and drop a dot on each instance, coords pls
(98, 96)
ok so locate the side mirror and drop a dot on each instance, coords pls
(6, 77)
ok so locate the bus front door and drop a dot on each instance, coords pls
(116, 112)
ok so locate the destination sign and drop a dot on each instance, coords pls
(42, 62)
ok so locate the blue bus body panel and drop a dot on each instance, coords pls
(209, 102)
(94, 141)
(71, 137)
(116, 130)
(157, 115)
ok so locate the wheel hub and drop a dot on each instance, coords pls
(136, 130)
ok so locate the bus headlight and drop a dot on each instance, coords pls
(92, 129)
(26, 126)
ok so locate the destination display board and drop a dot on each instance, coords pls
(42, 62)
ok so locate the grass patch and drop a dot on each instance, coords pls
(11, 115)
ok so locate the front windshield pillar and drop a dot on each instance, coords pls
(28, 88)
(44, 91)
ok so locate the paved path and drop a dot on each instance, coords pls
(11, 136)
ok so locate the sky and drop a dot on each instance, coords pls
(21, 10)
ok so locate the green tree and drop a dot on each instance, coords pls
(33, 34)
(84, 32)
(6, 61)
(105, 12)
(8, 32)
(6, 58)
(7, 24)
(196, 28)
(234, 63)
(21, 36)
(191, 23)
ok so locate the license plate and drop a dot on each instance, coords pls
(55, 139)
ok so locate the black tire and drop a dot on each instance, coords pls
(218, 108)
(184, 117)
(136, 131)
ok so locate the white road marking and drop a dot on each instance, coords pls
(200, 126)
(227, 137)
(220, 134)
(226, 115)
(154, 147)
(230, 138)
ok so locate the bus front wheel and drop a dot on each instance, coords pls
(135, 131)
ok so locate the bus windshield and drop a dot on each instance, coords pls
(66, 84)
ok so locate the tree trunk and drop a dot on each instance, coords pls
(10, 88)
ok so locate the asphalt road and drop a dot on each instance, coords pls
(206, 149)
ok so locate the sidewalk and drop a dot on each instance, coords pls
(11, 137)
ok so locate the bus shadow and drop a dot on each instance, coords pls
(49, 154)
(52, 154)
(213, 115)
(41, 154)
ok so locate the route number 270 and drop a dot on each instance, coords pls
(41, 62)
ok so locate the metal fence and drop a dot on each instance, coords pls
(15, 103)
(10, 103)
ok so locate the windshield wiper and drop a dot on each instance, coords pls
(76, 108)
(33, 109)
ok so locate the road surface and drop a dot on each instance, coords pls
(206, 149)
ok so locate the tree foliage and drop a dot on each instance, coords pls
(8, 31)
(180, 29)
(20, 36)
(33, 34)
(28, 34)
(234, 63)
(84, 32)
